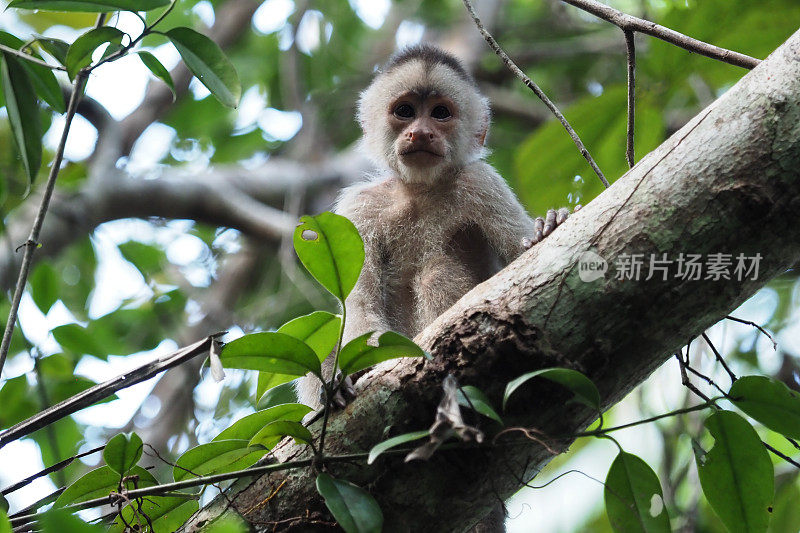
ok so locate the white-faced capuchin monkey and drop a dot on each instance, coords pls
(437, 219)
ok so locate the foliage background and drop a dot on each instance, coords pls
(113, 294)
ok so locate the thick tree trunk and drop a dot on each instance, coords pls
(728, 182)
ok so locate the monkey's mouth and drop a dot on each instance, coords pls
(425, 152)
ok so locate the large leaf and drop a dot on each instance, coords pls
(283, 393)
(770, 402)
(62, 521)
(165, 513)
(634, 501)
(5, 523)
(208, 63)
(216, 457)
(89, 6)
(268, 381)
(354, 509)
(271, 352)
(320, 330)
(23, 114)
(332, 250)
(247, 427)
(272, 433)
(388, 444)
(357, 354)
(158, 70)
(585, 391)
(102, 482)
(122, 452)
(79, 54)
(43, 80)
(736, 474)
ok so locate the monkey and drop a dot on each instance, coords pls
(436, 219)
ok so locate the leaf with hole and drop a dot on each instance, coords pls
(770, 402)
(102, 482)
(633, 496)
(247, 427)
(736, 474)
(216, 457)
(330, 247)
(80, 52)
(272, 433)
(585, 391)
(354, 509)
(89, 6)
(271, 352)
(357, 354)
(474, 398)
(388, 444)
(320, 330)
(23, 114)
(158, 70)
(208, 63)
(122, 452)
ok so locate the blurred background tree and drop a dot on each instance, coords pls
(172, 217)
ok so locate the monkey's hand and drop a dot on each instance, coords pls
(545, 226)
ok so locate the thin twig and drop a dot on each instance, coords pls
(50, 469)
(30, 58)
(32, 243)
(537, 91)
(759, 328)
(719, 358)
(630, 51)
(631, 23)
(103, 390)
(698, 407)
(781, 455)
(685, 378)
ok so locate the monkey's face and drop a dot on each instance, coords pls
(422, 125)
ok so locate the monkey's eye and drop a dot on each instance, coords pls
(404, 111)
(440, 112)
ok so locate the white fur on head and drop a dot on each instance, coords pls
(423, 69)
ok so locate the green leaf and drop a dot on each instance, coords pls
(284, 393)
(770, 402)
(271, 352)
(102, 482)
(228, 523)
(583, 388)
(332, 250)
(208, 63)
(268, 381)
(357, 354)
(737, 474)
(272, 433)
(247, 427)
(89, 6)
(76, 339)
(320, 330)
(148, 259)
(43, 79)
(158, 70)
(55, 47)
(62, 521)
(44, 283)
(354, 509)
(122, 452)
(634, 501)
(165, 513)
(394, 441)
(5, 523)
(474, 398)
(216, 457)
(79, 54)
(3, 504)
(23, 114)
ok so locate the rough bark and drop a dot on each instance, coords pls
(729, 182)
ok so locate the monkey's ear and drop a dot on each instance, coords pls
(481, 136)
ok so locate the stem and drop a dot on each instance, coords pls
(537, 91)
(598, 432)
(329, 390)
(631, 23)
(630, 51)
(28, 57)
